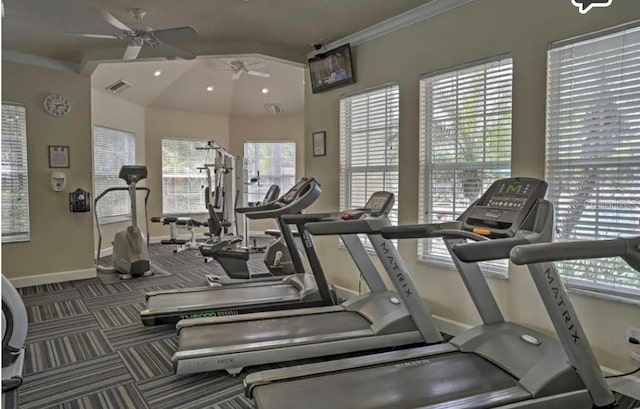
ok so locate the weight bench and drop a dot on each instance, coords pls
(176, 225)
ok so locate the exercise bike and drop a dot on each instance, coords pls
(130, 249)
(234, 259)
(14, 333)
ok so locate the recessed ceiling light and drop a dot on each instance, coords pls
(210, 88)
(157, 72)
(265, 90)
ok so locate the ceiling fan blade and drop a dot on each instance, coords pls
(131, 53)
(259, 74)
(236, 75)
(174, 51)
(109, 36)
(256, 66)
(114, 21)
(176, 35)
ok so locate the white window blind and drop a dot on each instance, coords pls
(276, 164)
(465, 132)
(182, 182)
(593, 151)
(369, 126)
(15, 183)
(112, 148)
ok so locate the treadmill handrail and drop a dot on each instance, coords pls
(418, 231)
(341, 226)
(626, 248)
(305, 218)
(495, 249)
(260, 208)
(319, 217)
(451, 230)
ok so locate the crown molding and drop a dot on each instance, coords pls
(38, 61)
(420, 13)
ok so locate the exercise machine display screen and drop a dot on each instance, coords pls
(379, 202)
(294, 191)
(504, 206)
(510, 196)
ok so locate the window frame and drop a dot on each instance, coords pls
(246, 192)
(588, 286)
(346, 171)
(426, 166)
(26, 237)
(125, 217)
(202, 143)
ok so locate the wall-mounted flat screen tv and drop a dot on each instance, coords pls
(331, 69)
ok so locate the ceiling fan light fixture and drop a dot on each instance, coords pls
(265, 90)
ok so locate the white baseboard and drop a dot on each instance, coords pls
(51, 278)
(106, 252)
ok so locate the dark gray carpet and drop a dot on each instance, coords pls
(87, 348)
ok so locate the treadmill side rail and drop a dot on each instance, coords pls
(285, 374)
(256, 316)
(189, 365)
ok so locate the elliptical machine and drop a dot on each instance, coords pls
(130, 249)
(14, 333)
(234, 259)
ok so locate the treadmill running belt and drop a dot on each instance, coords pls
(289, 328)
(222, 297)
(405, 385)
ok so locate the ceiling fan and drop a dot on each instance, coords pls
(140, 34)
(238, 67)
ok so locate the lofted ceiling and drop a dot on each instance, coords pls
(280, 28)
(278, 33)
(182, 85)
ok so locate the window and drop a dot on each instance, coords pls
(465, 132)
(369, 126)
(593, 151)
(182, 183)
(112, 148)
(276, 163)
(15, 180)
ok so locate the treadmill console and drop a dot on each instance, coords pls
(297, 190)
(380, 203)
(503, 208)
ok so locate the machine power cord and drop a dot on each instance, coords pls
(623, 374)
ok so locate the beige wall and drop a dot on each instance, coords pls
(111, 111)
(162, 123)
(481, 29)
(60, 240)
(268, 128)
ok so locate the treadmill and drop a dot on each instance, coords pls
(378, 319)
(496, 364)
(300, 290)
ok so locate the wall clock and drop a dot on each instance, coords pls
(56, 105)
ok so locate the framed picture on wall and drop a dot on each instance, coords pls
(319, 143)
(59, 156)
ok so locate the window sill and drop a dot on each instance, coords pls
(607, 296)
(9, 240)
(203, 214)
(114, 219)
(448, 265)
